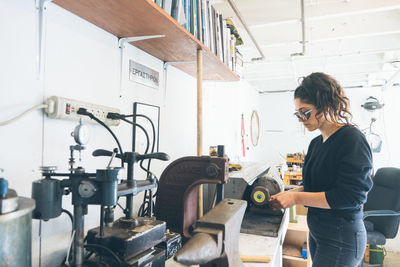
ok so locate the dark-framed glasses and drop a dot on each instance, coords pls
(303, 115)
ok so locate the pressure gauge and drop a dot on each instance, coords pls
(81, 134)
(86, 189)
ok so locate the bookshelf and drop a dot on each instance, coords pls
(129, 18)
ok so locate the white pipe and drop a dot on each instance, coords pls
(237, 12)
(391, 80)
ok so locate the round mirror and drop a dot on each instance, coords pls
(254, 128)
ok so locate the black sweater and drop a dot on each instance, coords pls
(340, 167)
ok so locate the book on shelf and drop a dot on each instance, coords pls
(200, 18)
(167, 6)
(159, 3)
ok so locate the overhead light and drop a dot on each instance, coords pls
(372, 104)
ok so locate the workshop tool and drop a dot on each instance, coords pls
(263, 259)
(177, 195)
(215, 237)
(260, 218)
(127, 238)
(262, 189)
(15, 227)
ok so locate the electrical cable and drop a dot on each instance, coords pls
(145, 210)
(97, 246)
(146, 199)
(154, 138)
(83, 111)
(147, 146)
(70, 247)
(40, 106)
(144, 131)
(70, 216)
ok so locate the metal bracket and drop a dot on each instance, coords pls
(40, 6)
(121, 45)
(165, 68)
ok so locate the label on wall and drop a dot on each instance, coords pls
(142, 74)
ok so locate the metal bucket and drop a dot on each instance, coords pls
(16, 235)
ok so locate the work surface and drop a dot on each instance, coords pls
(256, 245)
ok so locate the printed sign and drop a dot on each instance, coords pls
(143, 75)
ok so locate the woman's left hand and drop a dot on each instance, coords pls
(283, 200)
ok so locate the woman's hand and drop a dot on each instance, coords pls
(283, 200)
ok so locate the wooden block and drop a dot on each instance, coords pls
(246, 258)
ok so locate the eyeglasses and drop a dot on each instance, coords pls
(303, 115)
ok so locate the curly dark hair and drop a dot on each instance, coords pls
(328, 97)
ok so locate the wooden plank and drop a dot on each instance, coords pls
(129, 18)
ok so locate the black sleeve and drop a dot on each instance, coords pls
(353, 174)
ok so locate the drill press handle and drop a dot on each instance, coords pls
(127, 155)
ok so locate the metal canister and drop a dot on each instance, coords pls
(48, 196)
(15, 230)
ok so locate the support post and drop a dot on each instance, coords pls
(200, 121)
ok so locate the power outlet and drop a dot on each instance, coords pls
(66, 109)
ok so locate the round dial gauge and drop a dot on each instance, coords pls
(81, 134)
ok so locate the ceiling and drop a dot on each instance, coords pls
(356, 41)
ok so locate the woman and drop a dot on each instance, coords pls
(335, 174)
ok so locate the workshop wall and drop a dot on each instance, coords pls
(82, 62)
(225, 103)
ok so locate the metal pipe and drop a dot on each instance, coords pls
(303, 30)
(391, 80)
(237, 12)
(303, 27)
(78, 238)
(102, 220)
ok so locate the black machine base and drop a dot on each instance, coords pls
(265, 223)
(128, 238)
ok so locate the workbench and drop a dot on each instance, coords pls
(257, 245)
(250, 244)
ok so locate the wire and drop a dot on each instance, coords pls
(83, 111)
(147, 170)
(40, 106)
(97, 246)
(143, 210)
(70, 247)
(143, 129)
(147, 146)
(70, 216)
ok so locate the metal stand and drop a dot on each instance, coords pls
(78, 238)
(40, 5)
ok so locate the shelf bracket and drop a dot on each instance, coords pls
(165, 68)
(121, 45)
(41, 6)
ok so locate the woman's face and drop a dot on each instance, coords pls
(307, 112)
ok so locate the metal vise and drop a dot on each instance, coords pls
(216, 237)
(177, 195)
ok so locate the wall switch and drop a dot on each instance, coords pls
(66, 109)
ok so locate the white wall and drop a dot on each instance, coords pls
(282, 133)
(82, 62)
(225, 103)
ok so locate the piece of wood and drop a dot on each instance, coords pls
(246, 258)
(291, 250)
(130, 18)
(200, 121)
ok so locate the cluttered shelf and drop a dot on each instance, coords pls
(130, 18)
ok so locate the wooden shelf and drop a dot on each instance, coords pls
(129, 18)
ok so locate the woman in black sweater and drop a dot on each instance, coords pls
(336, 174)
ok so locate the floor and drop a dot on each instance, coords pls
(392, 259)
